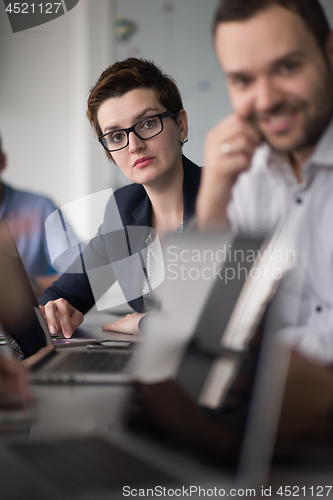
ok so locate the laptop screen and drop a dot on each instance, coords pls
(20, 316)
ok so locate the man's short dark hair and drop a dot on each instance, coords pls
(311, 11)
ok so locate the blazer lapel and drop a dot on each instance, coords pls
(142, 213)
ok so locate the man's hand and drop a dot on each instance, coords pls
(307, 402)
(60, 316)
(165, 406)
(41, 283)
(14, 380)
(29, 362)
(127, 324)
(229, 148)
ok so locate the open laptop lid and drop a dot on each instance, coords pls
(25, 323)
(232, 314)
(210, 294)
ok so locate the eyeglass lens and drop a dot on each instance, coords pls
(145, 129)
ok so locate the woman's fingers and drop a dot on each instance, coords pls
(128, 324)
(60, 316)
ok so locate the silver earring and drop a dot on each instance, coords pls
(184, 141)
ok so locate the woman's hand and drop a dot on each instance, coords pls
(127, 324)
(60, 316)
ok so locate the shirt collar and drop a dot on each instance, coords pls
(323, 154)
(268, 158)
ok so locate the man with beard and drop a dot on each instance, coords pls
(272, 160)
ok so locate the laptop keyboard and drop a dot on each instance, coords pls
(86, 464)
(90, 362)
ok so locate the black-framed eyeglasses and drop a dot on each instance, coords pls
(145, 129)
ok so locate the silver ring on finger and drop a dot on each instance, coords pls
(226, 148)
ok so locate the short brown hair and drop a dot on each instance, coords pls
(310, 11)
(130, 74)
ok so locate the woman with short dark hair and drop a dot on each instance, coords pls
(138, 116)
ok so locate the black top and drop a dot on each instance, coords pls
(123, 233)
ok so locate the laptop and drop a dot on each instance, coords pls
(27, 327)
(216, 290)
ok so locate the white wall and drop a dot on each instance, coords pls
(176, 34)
(328, 6)
(45, 75)
(46, 72)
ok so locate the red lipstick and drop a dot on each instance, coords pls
(143, 162)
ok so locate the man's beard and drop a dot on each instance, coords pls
(313, 127)
(313, 130)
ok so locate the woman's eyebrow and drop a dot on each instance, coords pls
(136, 119)
(145, 111)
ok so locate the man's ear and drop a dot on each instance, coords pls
(2, 161)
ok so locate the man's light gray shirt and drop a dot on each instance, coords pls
(270, 193)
